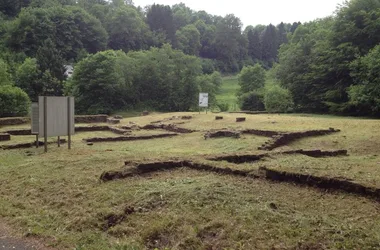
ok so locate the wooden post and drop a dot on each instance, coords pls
(59, 141)
(37, 142)
(68, 123)
(45, 124)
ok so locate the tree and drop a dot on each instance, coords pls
(69, 28)
(127, 30)
(365, 94)
(269, 44)
(229, 42)
(28, 78)
(254, 45)
(160, 20)
(188, 40)
(282, 34)
(182, 16)
(11, 8)
(251, 78)
(101, 82)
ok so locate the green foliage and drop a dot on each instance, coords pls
(28, 78)
(366, 73)
(162, 78)
(13, 101)
(251, 78)
(252, 101)
(69, 28)
(188, 39)
(223, 107)
(127, 29)
(160, 20)
(277, 99)
(101, 82)
(4, 75)
(321, 61)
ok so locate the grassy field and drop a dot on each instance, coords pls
(59, 199)
(228, 92)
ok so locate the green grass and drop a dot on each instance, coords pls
(227, 93)
(57, 197)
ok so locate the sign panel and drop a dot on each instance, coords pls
(35, 118)
(58, 111)
(203, 100)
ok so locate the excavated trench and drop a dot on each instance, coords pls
(128, 138)
(323, 183)
(28, 145)
(248, 158)
(168, 127)
(287, 138)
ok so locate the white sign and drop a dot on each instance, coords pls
(35, 118)
(57, 116)
(203, 100)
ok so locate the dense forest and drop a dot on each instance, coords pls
(161, 57)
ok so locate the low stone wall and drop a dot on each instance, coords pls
(8, 121)
(91, 118)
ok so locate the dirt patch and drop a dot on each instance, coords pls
(128, 138)
(222, 133)
(320, 182)
(5, 137)
(112, 220)
(14, 121)
(28, 145)
(91, 118)
(168, 127)
(287, 138)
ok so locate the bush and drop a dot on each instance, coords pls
(252, 101)
(13, 101)
(223, 107)
(277, 99)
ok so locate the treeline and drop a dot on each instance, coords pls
(39, 37)
(332, 65)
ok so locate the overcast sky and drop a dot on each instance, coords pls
(253, 12)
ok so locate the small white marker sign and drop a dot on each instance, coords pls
(203, 100)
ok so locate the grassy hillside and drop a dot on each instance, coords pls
(59, 199)
(228, 92)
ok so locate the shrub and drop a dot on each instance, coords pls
(252, 101)
(13, 101)
(277, 99)
(223, 107)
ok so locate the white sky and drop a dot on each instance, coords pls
(253, 12)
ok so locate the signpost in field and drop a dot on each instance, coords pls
(53, 116)
(203, 101)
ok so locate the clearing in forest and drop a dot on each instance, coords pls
(189, 181)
